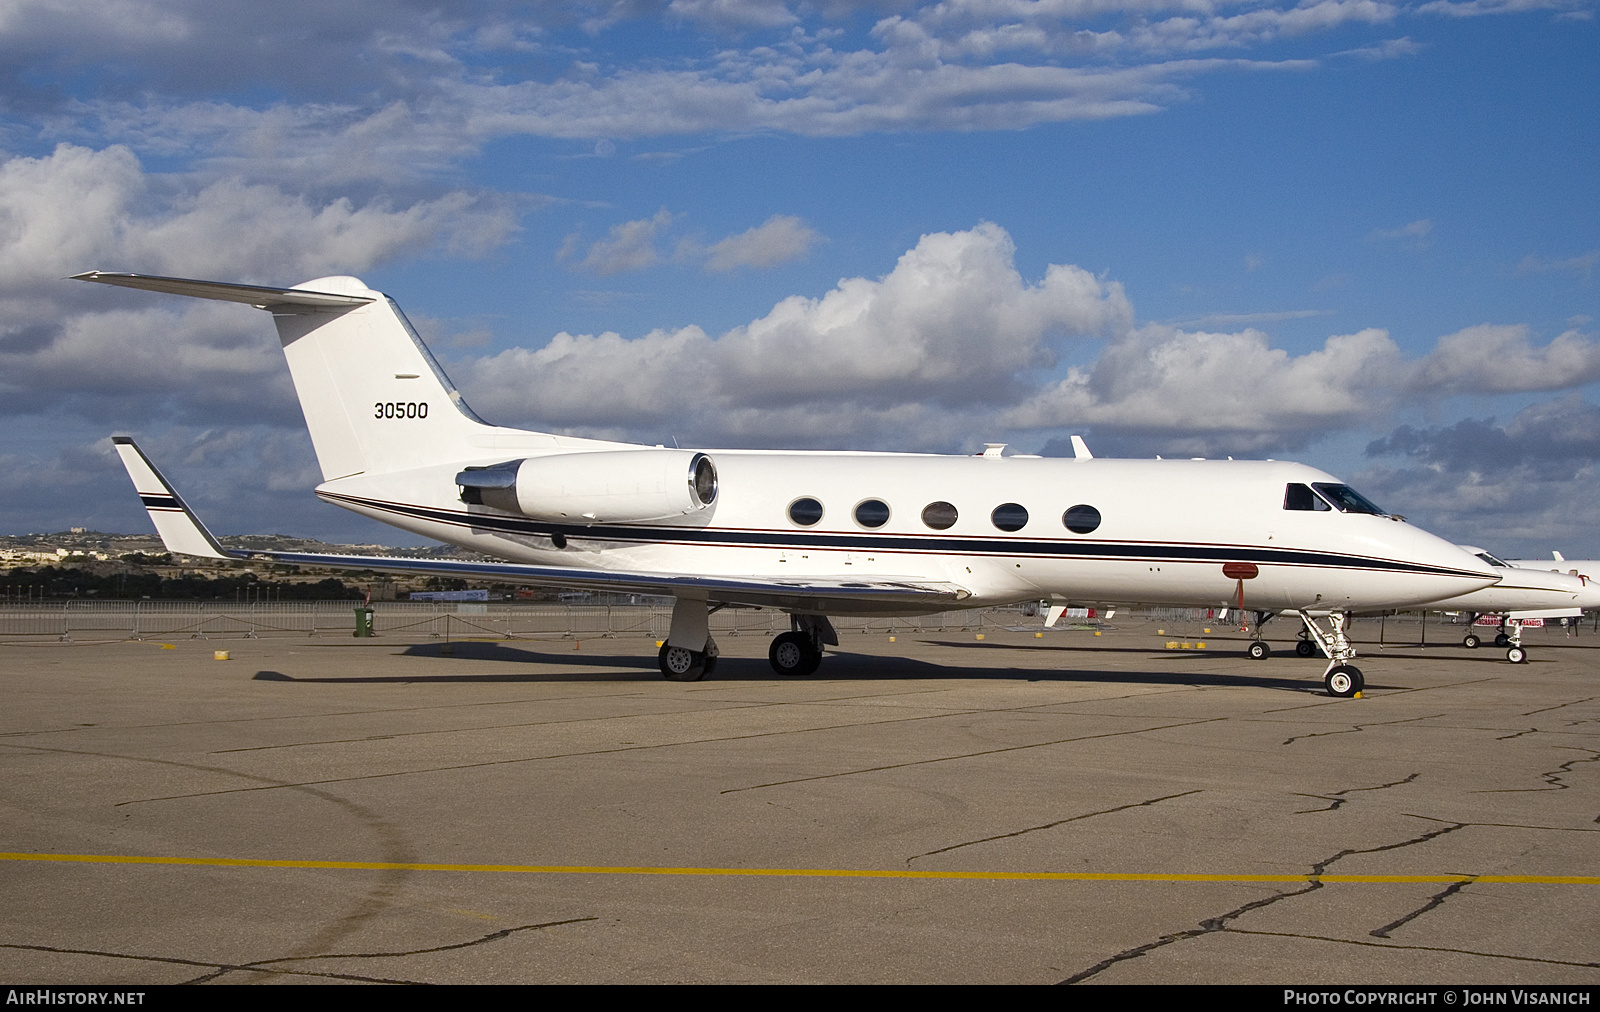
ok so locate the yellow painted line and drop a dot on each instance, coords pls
(1002, 876)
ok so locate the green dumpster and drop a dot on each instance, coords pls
(363, 622)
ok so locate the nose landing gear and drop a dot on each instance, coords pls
(1341, 679)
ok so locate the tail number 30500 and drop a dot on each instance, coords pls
(399, 409)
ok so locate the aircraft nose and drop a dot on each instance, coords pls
(1589, 597)
(1444, 555)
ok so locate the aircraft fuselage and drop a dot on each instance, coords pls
(1165, 530)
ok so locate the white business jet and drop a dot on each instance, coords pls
(1522, 594)
(1558, 563)
(814, 534)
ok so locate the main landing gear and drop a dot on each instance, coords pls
(689, 653)
(799, 651)
(1258, 650)
(1342, 678)
(684, 665)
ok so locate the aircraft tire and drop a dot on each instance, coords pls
(1258, 651)
(1305, 648)
(1470, 641)
(1502, 640)
(682, 665)
(1517, 655)
(793, 656)
(1344, 681)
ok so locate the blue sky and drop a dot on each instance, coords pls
(1355, 233)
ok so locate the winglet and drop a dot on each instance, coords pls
(1080, 449)
(181, 532)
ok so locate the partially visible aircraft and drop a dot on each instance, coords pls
(1558, 563)
(1521, 594)
(814, 534)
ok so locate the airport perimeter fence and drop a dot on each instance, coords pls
(119, 620)
(114, 620)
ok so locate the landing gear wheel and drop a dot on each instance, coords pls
(1502, 640)
(1344, 681)
(1471, 642)
(681, 664)
(1258, 651)
(1517, 655)
(1306, 648)
(792, 655)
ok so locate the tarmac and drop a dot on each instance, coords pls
(1029, 807)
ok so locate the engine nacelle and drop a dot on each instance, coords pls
(608, 487)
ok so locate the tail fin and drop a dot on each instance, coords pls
(374, 397)
(181, 531)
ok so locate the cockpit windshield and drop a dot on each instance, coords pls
(1346, 499)
(1491, 560)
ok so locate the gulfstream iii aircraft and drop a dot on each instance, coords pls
(1522, 593)
(814, 534)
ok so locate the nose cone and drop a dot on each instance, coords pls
(1403, 567)
(1588, 597)
(1435, 569)
(1430, 550)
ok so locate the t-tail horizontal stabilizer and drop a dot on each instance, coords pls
(251, 295)
(181, 532)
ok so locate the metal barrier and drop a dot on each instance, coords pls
(110, 620)
(114, 620)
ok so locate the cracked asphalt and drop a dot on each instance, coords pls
(599, 823)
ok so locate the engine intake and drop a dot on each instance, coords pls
(608, 487)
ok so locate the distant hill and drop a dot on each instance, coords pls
(114, 545)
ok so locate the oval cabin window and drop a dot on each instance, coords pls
(941, 516)
(805, 512)
(872, 513)
(1009, 517)
(1081, 519)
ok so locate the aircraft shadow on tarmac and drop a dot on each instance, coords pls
(839, 665)
(1438, 653)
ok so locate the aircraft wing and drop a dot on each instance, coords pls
(182, 533)
(801, 593)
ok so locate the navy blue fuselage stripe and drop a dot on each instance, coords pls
(945, 545)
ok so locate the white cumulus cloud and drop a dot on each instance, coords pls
(779, 239)
(952, 325)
